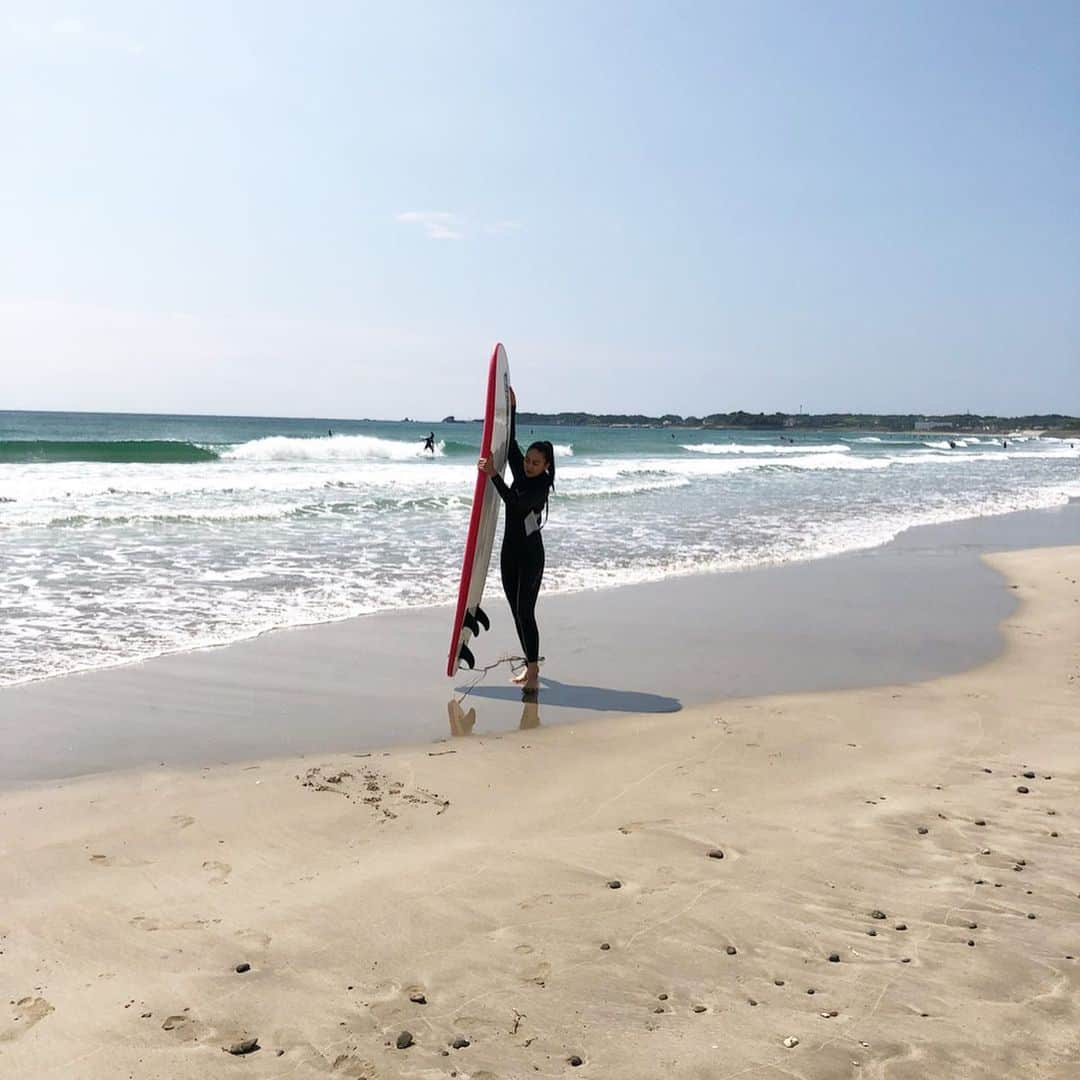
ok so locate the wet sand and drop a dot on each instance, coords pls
(922, 606)
(898, 894)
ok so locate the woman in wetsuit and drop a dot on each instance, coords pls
(522, 558)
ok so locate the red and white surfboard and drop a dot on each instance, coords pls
(469, 617)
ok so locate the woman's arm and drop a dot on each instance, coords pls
(529, 495)
(514, 458)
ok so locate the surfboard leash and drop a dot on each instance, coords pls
(514, 662)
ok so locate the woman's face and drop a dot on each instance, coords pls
(535, 463)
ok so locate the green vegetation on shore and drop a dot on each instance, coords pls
(1052, 424)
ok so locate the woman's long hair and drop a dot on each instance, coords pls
(542, 446)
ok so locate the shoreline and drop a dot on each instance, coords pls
(921, 606)
(464, 892)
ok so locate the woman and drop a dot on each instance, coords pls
(522, 558)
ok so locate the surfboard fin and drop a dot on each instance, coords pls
(465, 653)
(482, 619)
(470, 624)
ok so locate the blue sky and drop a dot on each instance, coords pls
(335, 209)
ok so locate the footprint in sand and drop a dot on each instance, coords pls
(219, 871)
(26, 1013)
(254, 939)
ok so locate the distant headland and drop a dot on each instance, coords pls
(1051, 424)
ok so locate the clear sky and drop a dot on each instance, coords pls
(336, 208)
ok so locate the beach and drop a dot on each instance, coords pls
(867, 869)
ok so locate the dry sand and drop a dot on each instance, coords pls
(479, 873)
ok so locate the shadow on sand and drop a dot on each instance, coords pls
(599, 698)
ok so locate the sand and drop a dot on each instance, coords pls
(478, 874)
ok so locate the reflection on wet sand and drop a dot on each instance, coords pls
(462, 722)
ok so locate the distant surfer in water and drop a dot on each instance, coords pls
(429, 442)
(522, 557)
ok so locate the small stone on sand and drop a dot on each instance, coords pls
(791, 1042)
(901, 926)
(404, 1040)
(1031, 914)
(878, 914)
(834, 958)
(241, 968)
(778, 982)
(418, 999)
(871, 932)
(245, 1046)
(605, 946)
(699, 1008)
(731, 950)
(1029, 775)
(574, 1060)
(923, 830)
(716, 853)
(614, 884)
(1023, 790)
(460, 1043)
(661, 997)
(980, 821)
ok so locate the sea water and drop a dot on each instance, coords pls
(124, 537)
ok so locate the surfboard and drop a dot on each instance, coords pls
(469, 616)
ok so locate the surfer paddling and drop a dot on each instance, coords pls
(522, 557)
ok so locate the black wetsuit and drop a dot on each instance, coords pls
(522, 558)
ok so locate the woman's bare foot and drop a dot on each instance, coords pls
(520, 677)
(532, 679)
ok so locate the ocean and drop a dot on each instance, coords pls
(124, 537)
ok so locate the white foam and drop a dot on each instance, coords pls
(766, 448)
(335, 448)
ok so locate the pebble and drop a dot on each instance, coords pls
(871, 932)
(241, 968)
(699, 1008)
(980, 881)
(716, 853)
(988, 770)
(778, 982)
(875, 914)
(791, 1042)
(658, 1009)
(615, 884)
(985, 851)
(460, 1043)
(418, 999)
(605, 946)
(1031, 914)
(245, 1046)
(1023, 790)
(404, 1040)
(905, 960)
(923, 830)
(811, 990)
(661, 997)
(1029, 775)
(731, 950)
(574, 1060)
(834, 958)
(901, 926)
(750, 1001)
(1053, 834)
(971, 943)
(1021, 862)
(980, 821)
(973, 926)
